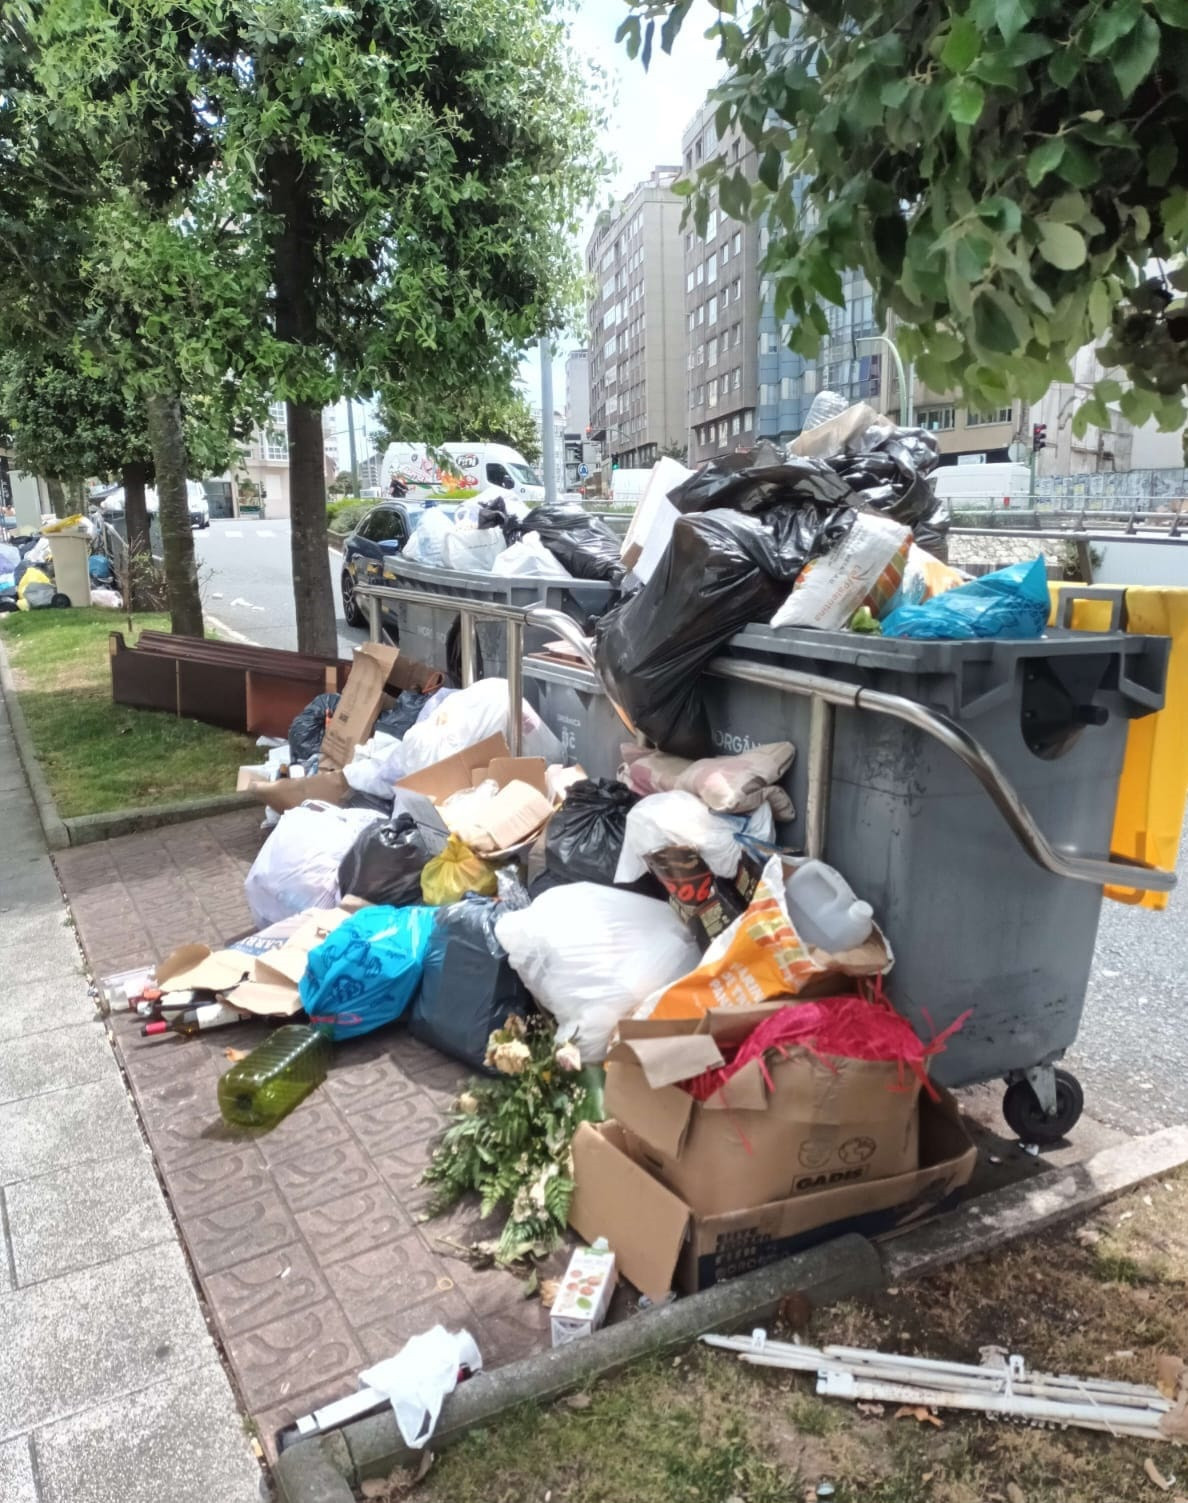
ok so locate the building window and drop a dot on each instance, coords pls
(711, 393)
(734, 151)
(735, 425)
(701, 314)
(768, 394)
(736, 242)
(608, 287)
(276, 446)
(768, 343)
(736, 379)
(692, 320)
(689, 282)
(711, 351)
(711, 310)
(787, 388)
(748, 421)
(711, 224)
(984, 419)
(935, 419)
(737, 340)
(737, 288)
(711, 268)
(689, 159)
(724, 252)
(808, 381)
(764, 291)
(609, 348)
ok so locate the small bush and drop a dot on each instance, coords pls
(342, 516)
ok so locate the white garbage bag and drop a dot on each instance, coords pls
(679, 818)
(428, 539)
(420, 1375)
(591, 954)
(472, 715)
(530, 559)
(298, 864)
(473, 548)
(376, 765)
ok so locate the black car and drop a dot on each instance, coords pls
(383, 531)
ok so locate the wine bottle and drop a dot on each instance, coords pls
(278, 1074)
(195, 1019)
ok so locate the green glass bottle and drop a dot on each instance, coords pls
(278, 1074)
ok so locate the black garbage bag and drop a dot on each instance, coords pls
(308, 728)
(384, 864)
(357, 800)
(890, 473)
(721, 570)
(752, 481)
(584, 838)
(494, 513)
(586, 546)
(468, 989)
(402, 716)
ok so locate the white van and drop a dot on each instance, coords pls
(983, 485)
(472, 468)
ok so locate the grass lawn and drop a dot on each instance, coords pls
(97, 756)
(1104, 1300)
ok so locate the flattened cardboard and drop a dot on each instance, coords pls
(512, 816)
(530, 770)
(660, 1244)
(353, 720)
(287, 793)
(454, 773)
(613, 1197)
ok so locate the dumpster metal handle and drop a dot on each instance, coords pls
(1057, 860)
(570, 632)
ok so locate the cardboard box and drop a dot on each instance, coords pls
(585, 1294)
(780, 1127)
(513, 817)
(260, 973)
(660, 1244)
(359, 707)
(287, 793)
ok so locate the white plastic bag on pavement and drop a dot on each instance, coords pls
(428, 539)
(298, 864)
(471, 715)
(473, 548)
(110, 600)
(591, 954)
(376, 765)
(420, 1375)
(677, 818)
(530, 559)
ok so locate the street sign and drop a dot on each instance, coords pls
(1018, 452)
(583, 472)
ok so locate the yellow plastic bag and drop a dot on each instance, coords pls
(64, 524)
(449, 877)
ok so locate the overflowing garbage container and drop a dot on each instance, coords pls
(780, 829)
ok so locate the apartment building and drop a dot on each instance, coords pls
(577, 391)
(636, 321)
(721, 307)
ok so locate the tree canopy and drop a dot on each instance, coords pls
(1010, 175)
(498, 415)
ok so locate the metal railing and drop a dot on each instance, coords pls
(825, 694)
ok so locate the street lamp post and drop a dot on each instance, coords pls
(906, 379)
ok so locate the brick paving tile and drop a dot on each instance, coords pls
(308, 1240)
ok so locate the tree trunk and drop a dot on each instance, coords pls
(57, 496)
(294, 274)
(136, 526)
(169, 460)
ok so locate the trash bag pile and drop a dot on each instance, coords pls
(28, 580)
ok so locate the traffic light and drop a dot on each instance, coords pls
(1039, 436)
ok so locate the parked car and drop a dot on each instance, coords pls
(112, 504)
(383, 531)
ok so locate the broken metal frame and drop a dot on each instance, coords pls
(1001, 1386)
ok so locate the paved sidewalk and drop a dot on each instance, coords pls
(111, 1389)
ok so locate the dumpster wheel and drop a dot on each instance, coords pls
(1025, 1116)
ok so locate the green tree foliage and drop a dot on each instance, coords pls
(63, 422)
(463, 412)
(404, 172)
(1010, 175)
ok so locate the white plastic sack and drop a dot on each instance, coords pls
(591, 954)
(298, 864)
(40, 553)
(473, 548)
(376, 765)
(472, 715)
(530, 559)
(678, 818)
(420, 1375)
(110, 600)
(428, 539)
(831, 588)
(434, 703)
(10, 557)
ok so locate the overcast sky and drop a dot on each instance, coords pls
(647, 112)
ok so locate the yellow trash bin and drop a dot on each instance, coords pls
(1153, 789)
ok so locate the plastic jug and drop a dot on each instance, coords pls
(278, 1074)
(824, 910)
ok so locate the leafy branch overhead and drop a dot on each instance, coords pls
(1010, 175)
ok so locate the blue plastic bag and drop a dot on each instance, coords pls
(366, 972)
(1011, 602)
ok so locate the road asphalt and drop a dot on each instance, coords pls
(1132, 1053)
